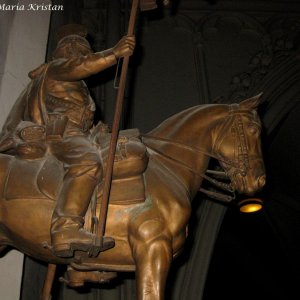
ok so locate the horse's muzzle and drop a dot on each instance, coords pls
(253, 186)
(261, 182)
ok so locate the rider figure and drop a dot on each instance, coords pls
(58, 99)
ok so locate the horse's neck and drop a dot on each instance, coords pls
(192, 127)
(183, 143)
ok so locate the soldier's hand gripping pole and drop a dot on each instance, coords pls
(144, 5)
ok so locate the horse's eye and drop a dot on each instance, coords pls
(253, 129)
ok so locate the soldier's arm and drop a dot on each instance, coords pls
(85, 66)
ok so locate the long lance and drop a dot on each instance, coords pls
(144, 5)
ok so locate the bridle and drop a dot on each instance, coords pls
(238, 165)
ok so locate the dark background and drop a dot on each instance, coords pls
(196, 52)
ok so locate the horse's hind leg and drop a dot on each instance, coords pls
(152, 252)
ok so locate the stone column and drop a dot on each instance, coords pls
(23, 36)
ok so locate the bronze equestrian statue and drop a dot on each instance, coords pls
(53, 158)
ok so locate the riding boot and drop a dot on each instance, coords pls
(67, 233)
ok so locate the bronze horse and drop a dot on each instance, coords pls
(149, 233)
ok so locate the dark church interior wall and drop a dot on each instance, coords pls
(198, 52)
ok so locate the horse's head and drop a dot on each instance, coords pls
(238, 148)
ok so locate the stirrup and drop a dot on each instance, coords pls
(101, 245)
(67, 250)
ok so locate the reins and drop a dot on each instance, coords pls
(240, 162)
(221, 185)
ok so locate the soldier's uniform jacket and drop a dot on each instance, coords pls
(57, 89)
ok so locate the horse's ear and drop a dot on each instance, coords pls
(251, 103)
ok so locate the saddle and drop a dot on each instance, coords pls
(131, 160)
(41, 178)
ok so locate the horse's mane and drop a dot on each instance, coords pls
(201, 112)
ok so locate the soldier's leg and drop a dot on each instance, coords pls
(83, 171)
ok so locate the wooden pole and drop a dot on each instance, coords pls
(115, 129)
(46, 292)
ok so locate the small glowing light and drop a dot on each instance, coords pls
(250, 205)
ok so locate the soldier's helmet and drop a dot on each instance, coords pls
(71, 37)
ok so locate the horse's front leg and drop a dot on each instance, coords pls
(152, 251)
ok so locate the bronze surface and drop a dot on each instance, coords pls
(148, 234)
